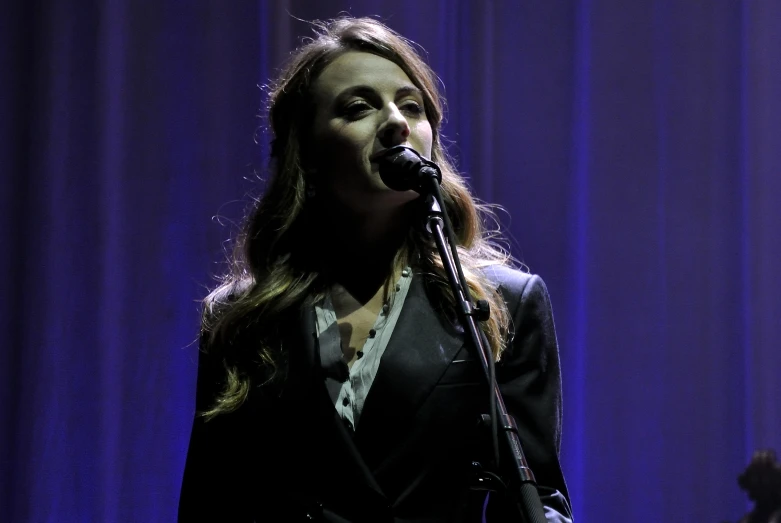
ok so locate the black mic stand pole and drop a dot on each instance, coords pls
(521, 486)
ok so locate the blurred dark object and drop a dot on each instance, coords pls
(762, 482)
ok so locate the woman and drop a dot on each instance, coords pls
(334, 382)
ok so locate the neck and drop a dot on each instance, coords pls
(361, 252)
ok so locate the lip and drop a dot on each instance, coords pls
(379, 154)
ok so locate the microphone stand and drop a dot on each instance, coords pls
(521, 487)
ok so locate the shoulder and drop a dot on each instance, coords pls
(506, 277)
(226, 296)
(514, 284)
(525, 295)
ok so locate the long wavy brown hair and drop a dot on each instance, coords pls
(273, 271)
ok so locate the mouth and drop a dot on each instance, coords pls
(376, 157)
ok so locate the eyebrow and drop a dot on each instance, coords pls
(365, 90)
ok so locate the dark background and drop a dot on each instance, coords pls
(635, 145)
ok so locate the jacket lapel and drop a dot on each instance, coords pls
(418, 353)
(306, 383)
(420, 350)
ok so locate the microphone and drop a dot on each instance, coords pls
(403, 168)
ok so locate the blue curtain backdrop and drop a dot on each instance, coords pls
(635, 145)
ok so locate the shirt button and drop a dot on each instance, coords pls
(360, 354)
(372, 333)
(346, 401)
(385, 309)
(405, 272)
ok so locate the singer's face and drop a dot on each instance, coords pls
(365, 104)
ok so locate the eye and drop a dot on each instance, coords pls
(356, 109)
(412, 107)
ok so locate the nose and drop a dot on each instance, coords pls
(395, 129)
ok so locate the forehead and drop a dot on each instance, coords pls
(358, 68)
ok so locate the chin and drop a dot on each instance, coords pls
(400, 197)
(382, 199)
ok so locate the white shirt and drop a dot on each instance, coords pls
(348, 387)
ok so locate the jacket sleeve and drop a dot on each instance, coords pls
(529, 378)
(210, 489)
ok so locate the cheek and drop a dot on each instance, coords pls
(338, 147)
(344, 137)
(423, 138)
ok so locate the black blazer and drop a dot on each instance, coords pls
(285, 455)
